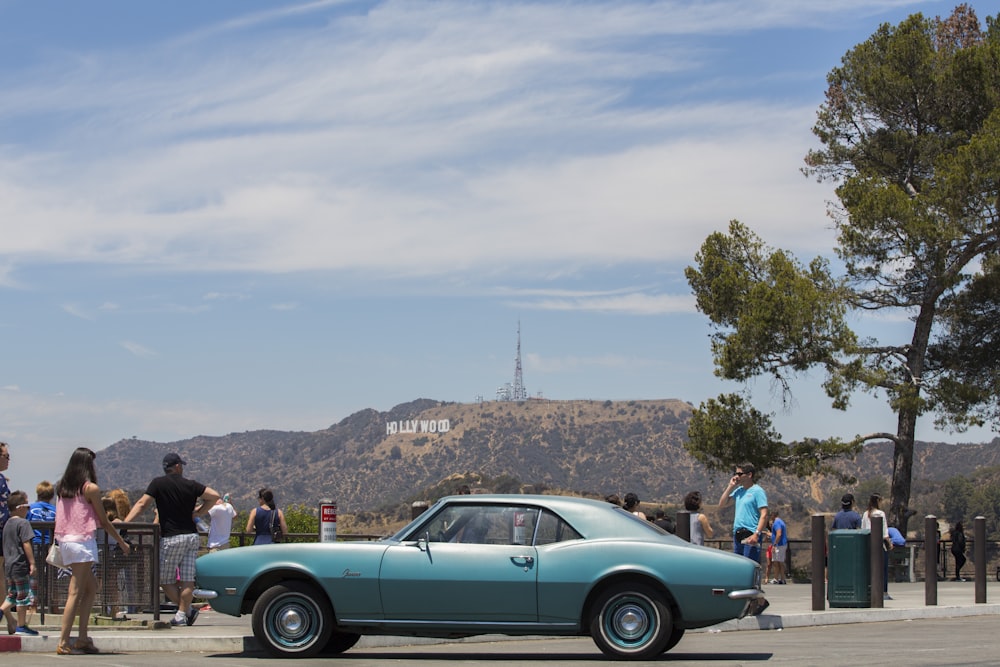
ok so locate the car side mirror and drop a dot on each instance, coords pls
(423, 542)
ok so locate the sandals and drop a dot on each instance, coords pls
(81, 647)
(86, 646)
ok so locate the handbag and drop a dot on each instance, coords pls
(742, 534)
(54, 557)
(276, 535)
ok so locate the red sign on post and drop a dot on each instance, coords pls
(327, 521)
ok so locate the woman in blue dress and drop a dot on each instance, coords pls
(265, 517)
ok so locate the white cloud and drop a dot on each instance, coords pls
(137, 349)
(223, 296)
(625, 304)
(77, 311)
(6, 279)
(443, 137)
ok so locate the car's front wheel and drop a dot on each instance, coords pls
(293, 619)
(341, 641)
(631, 622)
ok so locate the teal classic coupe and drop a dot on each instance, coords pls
(487, 564)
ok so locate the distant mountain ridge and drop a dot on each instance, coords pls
(371, 458)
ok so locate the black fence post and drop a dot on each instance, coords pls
(930, 560)
(818, 565)
(979, 556)
(684, 525)
(878, 555)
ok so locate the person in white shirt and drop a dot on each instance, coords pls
(866, 524)
(221, 516)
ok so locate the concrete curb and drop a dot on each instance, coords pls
(865, 615)
(133, 642)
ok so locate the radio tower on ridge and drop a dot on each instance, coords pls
(520, 393)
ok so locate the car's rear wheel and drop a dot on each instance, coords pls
(293, 620)
(341, 641)
(631, 621)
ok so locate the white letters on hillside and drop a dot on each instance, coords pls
(418, 426)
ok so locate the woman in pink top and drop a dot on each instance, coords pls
(79, 511)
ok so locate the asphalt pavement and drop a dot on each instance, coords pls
(790, 606)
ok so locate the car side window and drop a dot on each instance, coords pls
(552, 529)
(482, 524)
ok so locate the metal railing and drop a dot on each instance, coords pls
(902, 561)
(126, 583)
(244, 539)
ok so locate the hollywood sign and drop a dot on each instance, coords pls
(418, 426)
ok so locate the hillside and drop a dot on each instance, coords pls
(371, 459)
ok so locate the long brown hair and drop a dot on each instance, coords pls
(874, 501)
(268, 497)
(79, 471)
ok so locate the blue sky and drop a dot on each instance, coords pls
(227, 216)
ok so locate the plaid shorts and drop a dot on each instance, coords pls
(21, 591)
(177, 556)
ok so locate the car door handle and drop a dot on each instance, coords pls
(523, 561)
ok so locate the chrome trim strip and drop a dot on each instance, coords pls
(470, 624)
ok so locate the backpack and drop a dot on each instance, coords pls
(276, 534)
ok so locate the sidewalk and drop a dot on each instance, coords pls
(791, 607)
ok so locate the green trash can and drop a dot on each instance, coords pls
(849, 569)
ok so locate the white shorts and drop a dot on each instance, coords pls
(78, 552)
(778, 555)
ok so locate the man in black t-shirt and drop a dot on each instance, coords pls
(176, 499)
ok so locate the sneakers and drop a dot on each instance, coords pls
(181, 619)
(25, 631)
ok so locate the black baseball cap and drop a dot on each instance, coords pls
(172, 459)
